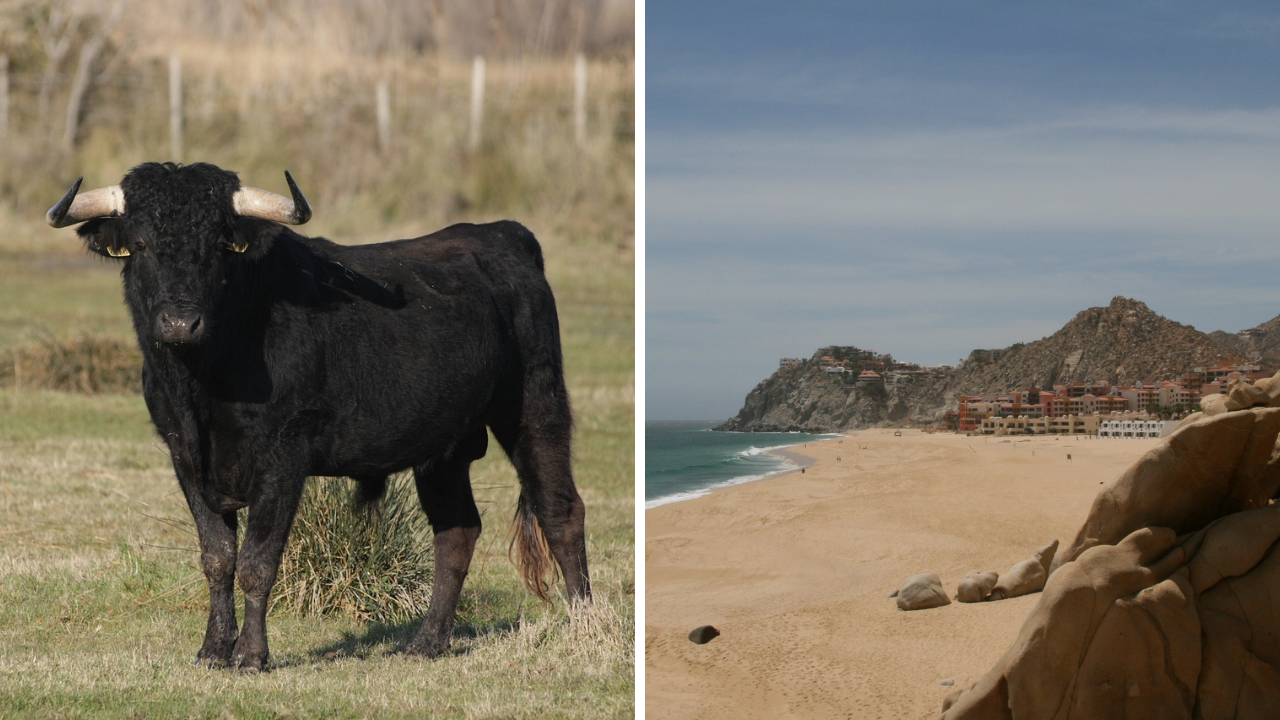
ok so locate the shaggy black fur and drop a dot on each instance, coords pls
(301, 357)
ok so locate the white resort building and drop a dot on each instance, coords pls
(1129, 428)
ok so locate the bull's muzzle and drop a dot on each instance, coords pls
(179, 328)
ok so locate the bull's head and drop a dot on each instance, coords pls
(180, 231)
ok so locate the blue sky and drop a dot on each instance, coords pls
(925, 178)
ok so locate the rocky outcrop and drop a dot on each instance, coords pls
(806, 398)
(1213, 467)
(1120, 343)
(1165, 604)
(1262, 341)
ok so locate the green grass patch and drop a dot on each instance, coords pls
(29, 415)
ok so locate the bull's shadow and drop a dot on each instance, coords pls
(381, 639)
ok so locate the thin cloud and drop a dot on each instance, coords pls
(1083, 174)
(924, 182)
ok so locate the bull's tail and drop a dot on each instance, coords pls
(529, 550)
(369, 490)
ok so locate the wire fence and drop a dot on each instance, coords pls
(580, 98)
(432, 140)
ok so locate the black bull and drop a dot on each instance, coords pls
(269, 356)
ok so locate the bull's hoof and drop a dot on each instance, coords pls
(211, 663)
(215, 654)
(426, 648)
(249, 661)
(248, 665)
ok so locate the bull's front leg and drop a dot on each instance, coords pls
(445, 493)
(217, 533)
(272, 506)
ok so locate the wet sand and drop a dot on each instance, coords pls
(794, 571)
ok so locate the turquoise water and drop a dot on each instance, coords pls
(686, 459)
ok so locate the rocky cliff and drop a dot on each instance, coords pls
(1261, 342)
(1121, 343)
(806, 398)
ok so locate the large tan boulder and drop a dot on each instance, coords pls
(1153, 627)
(1213, 467)
(1040, 673)
(921, 592)
(1272, 386)
(976, 586)
(1217, 404)
(1247, 395)
(1027, 576)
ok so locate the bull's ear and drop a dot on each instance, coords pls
(252, 237)
(105, 236)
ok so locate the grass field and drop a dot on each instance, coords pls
(102, 608)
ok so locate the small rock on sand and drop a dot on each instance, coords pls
(703, 634)
(922, 591)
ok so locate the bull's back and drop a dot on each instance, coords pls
(426, 339)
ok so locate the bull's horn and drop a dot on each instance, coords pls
(270, 206)
(73, 208)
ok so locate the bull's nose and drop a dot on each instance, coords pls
(173, 327)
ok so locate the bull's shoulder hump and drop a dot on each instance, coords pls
(501, 237)
(506, 243)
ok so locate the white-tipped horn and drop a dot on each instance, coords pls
(273, 206)
(76, 208)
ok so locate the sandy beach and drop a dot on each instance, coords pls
(794, 572)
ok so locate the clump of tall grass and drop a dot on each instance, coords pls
(370, 562)
(86, 364)
(598, 631)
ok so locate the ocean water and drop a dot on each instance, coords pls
(684, 460)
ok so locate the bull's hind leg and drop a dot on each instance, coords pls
(550, 506)
(444, 489)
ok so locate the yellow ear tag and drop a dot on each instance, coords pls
(239, 246)
(117, 252)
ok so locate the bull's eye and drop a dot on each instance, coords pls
(139, 246)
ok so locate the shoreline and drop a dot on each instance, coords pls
(796, 461)
(794, 573)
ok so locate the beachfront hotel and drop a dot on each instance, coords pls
(1117, 409)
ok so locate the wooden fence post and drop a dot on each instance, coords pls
(383, 102)
(477, 102)
(580, 99)
(4, 97)
(175, 107)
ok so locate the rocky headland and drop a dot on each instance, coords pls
(1121, 343)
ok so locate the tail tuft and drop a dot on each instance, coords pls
(529, 551)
